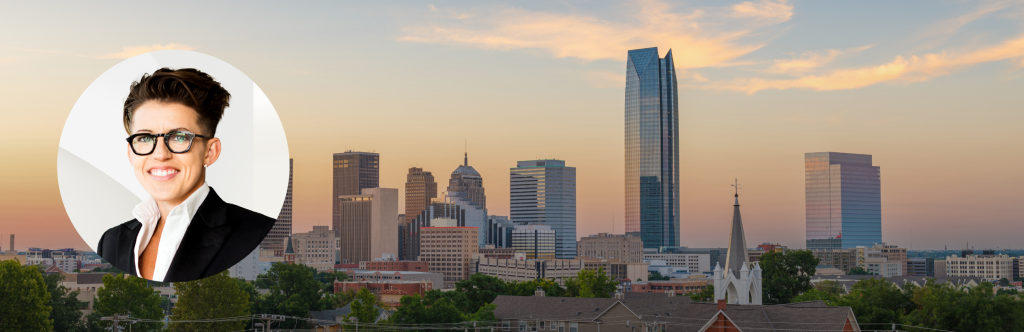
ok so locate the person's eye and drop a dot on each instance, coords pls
(179, 138)
(144, 139)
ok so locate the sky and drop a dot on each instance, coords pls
(931, 89)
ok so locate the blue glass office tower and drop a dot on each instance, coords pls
(652, 148)
(844, 202)
(544, 192)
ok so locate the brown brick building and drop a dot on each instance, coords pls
(448, 250)
(395, 266)
(388, 291)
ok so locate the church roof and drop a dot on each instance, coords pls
(736, 258)
(288, 249)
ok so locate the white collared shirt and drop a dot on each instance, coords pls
(175, 224)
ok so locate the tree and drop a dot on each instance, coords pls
(657, 276)
(954, 308)
(328, 278)
(364, 307)
(480, 289)
(66, 314)
(414, 310)
(857, 270)
(24, 301)
(590, 283)
(528, 288)
(127, 295)
(294, 291)
(111, 269)
(1004, 282)
(458, 299)
(216, 296)
(786, 274)
(879, 301)
(830, 287)
(705, 295)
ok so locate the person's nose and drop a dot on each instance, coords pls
(161, 152)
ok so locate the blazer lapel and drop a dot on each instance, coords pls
(203, 239)
(127, 245)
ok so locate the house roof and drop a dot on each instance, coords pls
(680, 313)
(325, 316)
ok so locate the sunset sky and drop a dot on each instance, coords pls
(932, 89)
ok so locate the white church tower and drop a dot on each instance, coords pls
(740, 279)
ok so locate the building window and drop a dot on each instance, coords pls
(541, 325)
(561, 326)
(504, 325)
(573, 327)
(553, 325)
(522, 326)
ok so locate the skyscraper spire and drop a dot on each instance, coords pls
(465, 162)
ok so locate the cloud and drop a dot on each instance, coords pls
(591, 38)
(606, 79)
(808, 61)
(915, 68)
(777, 12)
(130, 51)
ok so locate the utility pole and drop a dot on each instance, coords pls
(266, 319)
(115, 318)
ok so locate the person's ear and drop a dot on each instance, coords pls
(212, 151)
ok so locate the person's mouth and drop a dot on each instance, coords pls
(162, 173)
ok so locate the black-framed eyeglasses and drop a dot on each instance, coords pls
(177, 141)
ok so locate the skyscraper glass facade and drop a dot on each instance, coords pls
(536, 241)
(544, 192)
(844, 204)
(652, 148)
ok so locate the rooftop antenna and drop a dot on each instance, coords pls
(466, 152)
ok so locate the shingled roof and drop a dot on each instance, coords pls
(680, 313)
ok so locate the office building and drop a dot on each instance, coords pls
(353, 172)
(499, 231)
(420, 189)
(843, 200)
(467, 183)
(990, 267)
(693, 263)
(535, 241)
(842, 259)
(436, 210)
(652, 148)
(626, 249)
(367, 224)
(883, 267)
(283, 226)
(448, 249)
(544, 192)
(921, 267)
(617, 270)
(393, 265)
(521, 269)
(315, 248)
(890, 253)
(500, 253)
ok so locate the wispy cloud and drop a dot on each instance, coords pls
(808, 61)
(915, 68)
(777, 12)
(592, 38)
(130, 51)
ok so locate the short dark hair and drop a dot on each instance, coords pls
(186, 86)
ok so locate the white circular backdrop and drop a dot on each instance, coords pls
(97, 182)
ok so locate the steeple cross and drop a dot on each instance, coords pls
(736, 184)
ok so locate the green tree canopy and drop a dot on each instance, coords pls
(657, 276)
(364, 307)
(24, 301)
(216, 296)
(591, 283)
(877, 300)
(66, 314)
(127, 295)
(294, 291)
(857, 270)
(415, 310)
(480, 289)
(786, 274)
(954, 308)
(705, 295)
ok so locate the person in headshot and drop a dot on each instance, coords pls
(184, 231)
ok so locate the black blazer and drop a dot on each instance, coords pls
(219, 236)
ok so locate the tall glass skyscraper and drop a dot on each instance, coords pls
(844, 202)
(652, 148)
(544, 192)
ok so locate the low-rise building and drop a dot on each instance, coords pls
(883, 267)
(921, 267)
(989, 267)
(627, 249)
(434, 278)
(527, 269)
(418, 266)
(676, 287)
(842, 259)
(315, 248)
(387, 291)
(694, 263)
(499, 253)
(618, 270)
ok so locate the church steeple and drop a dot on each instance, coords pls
(740, 281)
(736, 258)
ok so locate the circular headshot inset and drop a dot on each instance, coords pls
(173, 166)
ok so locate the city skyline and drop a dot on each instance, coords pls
(933, 97)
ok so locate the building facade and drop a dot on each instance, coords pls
(618, 270)
(315, 248)
(694, 263)
(843, 200)
(696, 285)
(652, 148)
(626, 249)
(921, 267)
(990, 267)
(536, 241)
(283, 226)
(449, 250)
(544, 192)
(466, 182)
(499, 231)
(528, 269)
(420, 189)
(842, 259)
(408, 266)
(387, 291)
(367, 224)
(353, 172)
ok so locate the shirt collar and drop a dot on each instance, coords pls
(148, 213)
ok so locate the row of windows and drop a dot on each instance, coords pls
(540, 325)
